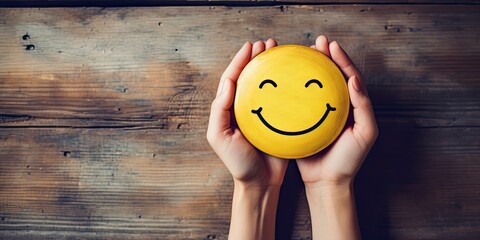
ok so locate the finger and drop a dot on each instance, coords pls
(363, 115)
(219, 121)
(270, 43)
(258, 47)
(340, 57)
(313, 46)
(343, 61)
(322, 45)
(237, 64)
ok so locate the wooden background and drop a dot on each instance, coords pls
(103, 115)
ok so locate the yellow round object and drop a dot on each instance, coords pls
(291, 101)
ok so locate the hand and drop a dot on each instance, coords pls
(247, 165)
(328, 175)
(339, 163)
(257, 176)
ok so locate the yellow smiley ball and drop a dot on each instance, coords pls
(291, 101)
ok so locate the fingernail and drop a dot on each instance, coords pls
(323, 36)
(356, 84)
(336, 43)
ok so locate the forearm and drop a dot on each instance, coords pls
(253, 212)
(333, 213)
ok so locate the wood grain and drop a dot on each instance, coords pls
(126, 3)
(102, 122)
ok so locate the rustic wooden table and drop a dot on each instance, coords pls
(103, 114)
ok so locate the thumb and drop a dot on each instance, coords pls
(365, 124)
(219, 121)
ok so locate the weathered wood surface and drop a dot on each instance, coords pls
(123, 3)
(102, 122)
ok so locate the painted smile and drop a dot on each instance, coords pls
(259, 114)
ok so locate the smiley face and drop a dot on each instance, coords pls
(294, 133)
(291, 101)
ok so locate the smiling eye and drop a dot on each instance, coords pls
(267, 81)
(313, 81)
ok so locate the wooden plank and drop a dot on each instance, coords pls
(421, 184)
(138, 183)
(168, 184)
(157, 68)
(103, 122)
(125, 3)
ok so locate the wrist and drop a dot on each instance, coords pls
(328, 186)
(258, 198)
(332, 209)
(255, 188)
(325, 192)
(253, 211)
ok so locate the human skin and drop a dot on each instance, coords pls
(257, 176)
(328, 176)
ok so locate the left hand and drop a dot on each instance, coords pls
(339, 163)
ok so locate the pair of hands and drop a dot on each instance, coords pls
(334, 166)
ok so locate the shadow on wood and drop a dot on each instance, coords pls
(288, 202)
(390, 163)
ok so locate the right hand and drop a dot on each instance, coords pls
(248, 166)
